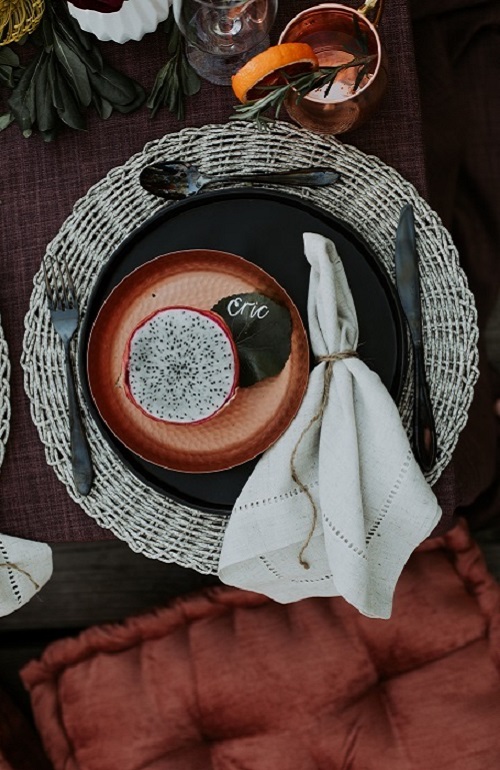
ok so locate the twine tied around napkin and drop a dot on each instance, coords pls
(351, 455)
(329, 360)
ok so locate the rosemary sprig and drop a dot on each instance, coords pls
(176, 79)
(300, 85)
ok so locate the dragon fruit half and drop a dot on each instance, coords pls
(181, 365)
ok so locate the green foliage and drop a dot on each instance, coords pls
(262, 333)
(177, 79)
(10, 67)
(66, 76)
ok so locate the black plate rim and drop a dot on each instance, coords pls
(166, 212)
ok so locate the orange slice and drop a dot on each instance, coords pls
(268, 68)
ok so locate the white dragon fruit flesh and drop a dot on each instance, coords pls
(181, 365)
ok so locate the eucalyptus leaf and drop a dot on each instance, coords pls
(22, 99)
(49, 136)
(8, 57)
(190, 78)
(138, 98)
(262, 332)
(75, 70)
(81, 43)
(176, 80)
(7, 76)
(103, 107)
(117, 89)
(91, 59)
(172, 101)
(66, 24)
(39, 35)
(173, 33)
(5, 120)
(110, 84)
(53, 77)
(71, 113)
(155, 98)
(45, 114)
(65, 76)
(46, 32)
(162, 77)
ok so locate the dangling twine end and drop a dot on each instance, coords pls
(329, 360)
(303, 562)
(17, 568)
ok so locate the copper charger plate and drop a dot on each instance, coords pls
(251, 422)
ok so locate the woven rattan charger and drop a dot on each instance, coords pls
(4, 394)
(369, 199)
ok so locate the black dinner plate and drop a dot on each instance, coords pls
(266, 228)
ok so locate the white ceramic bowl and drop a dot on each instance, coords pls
(134, 20)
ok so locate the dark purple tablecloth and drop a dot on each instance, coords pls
(40, 184)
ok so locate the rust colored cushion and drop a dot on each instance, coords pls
(20, 747)
(228, 680)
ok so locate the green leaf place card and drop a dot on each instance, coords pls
(261, 330)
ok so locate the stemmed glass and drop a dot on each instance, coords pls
(222, 35)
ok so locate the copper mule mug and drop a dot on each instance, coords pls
(338, 33)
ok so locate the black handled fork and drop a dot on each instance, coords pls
(63, 306)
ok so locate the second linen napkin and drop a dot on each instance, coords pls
(337, 505)
(25, 566)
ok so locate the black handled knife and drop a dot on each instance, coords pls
(408, 284)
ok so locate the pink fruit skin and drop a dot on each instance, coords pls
(225, 328)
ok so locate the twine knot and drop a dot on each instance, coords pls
(329, 359)
(332, 357)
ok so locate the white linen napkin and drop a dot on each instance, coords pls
(25, 566)
(373, 504)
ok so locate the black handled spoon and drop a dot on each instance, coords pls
(175, 180)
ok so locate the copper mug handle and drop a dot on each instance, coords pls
(372, 5)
